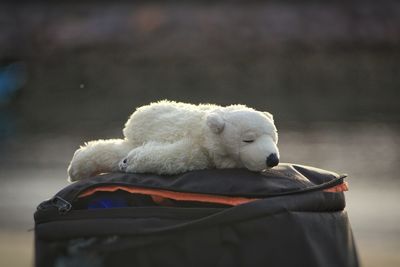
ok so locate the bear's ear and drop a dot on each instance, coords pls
(269, 115)
(215, 122)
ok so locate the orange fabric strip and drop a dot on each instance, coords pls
(339, 188)
(159, 194)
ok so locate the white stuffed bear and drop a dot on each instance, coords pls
(169, 138)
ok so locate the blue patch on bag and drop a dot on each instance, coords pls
(105, 203)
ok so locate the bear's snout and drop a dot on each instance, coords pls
(272, 160)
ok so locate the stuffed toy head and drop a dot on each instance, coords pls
(248, 136)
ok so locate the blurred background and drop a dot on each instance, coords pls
(329, 71)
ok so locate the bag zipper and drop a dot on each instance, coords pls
(63, 203)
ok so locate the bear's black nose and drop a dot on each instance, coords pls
(272, 160)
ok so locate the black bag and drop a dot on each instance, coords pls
(290, 215)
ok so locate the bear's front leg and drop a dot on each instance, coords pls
(97, 157)
(165, 158)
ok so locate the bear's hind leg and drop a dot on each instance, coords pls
(97, 157)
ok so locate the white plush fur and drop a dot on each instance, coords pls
(169, 137)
